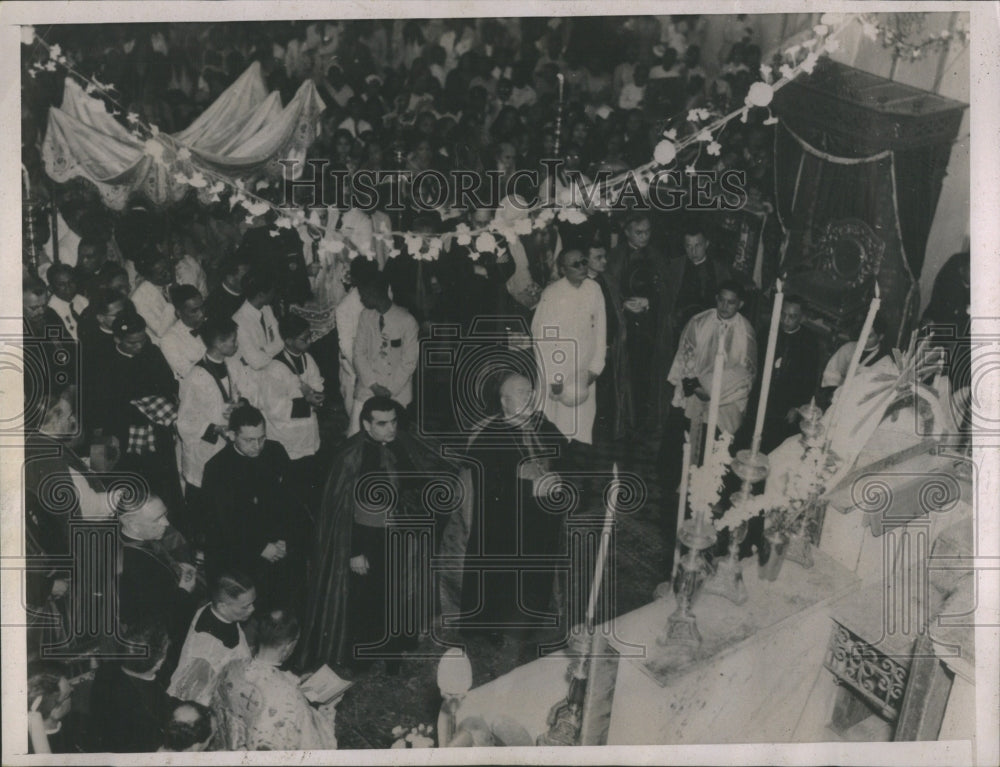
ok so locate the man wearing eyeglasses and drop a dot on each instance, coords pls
(569, 329)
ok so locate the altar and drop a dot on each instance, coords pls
(842, 650)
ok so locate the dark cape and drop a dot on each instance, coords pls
(327, 636)
(510, 523)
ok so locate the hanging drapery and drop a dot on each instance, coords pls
(873, 147)
(814, 187)
(242, 135)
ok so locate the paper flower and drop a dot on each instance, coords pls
(820, 30)
(486, 242)
(545, 216)
(714, 149)
(832, 45)
(184, 154)
(154, 149)
(793, 51)
(670, 134)
(55, 52)
(257, 207)
(27, 34)
(132, 117)
(573, 216)
(869, 30)
(283, 222)
(690, 170)
(832, 19)
(772, 120)
(810, 63)
(744, 114)
(198, 181)
(522, 226)
(759, 95)
(262, 184)
(413, 244)
(786, 72)
(766, 72)
(665, 152)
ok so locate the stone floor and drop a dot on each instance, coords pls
(378, 702)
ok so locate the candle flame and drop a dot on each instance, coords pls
(878, 293)
(779, 287)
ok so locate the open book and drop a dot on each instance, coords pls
(323, 685)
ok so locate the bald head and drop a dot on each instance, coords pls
(516, 397)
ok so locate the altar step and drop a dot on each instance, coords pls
(873, 729)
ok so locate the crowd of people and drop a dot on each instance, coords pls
(227, 395)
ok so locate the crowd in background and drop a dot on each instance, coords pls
(223, 365)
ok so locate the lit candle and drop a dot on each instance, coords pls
(765, 386)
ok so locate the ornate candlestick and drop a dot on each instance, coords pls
(454, 680)
(681, 636)
(727, 580)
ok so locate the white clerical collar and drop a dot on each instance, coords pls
(225, 287)
(106, 331)
(698, 263)
(124, 354)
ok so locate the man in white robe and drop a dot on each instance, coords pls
(694, 364)
(569, 329)
(691, 375)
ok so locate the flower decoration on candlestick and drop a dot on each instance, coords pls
(705, 484)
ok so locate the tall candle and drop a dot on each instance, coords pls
(713, 403)
(866, 330)
(765, 386)
(852, 368)
(602, 554)
(682, 500)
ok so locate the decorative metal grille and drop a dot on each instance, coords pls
(877, 678)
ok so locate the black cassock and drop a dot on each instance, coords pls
(514, 537)
(248, 505)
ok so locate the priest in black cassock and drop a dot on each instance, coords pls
(794, 379)
(370, 556)
(137, 404)
(254, 522)
(517, 452)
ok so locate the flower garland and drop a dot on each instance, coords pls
(897, 36)
(210, 185)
